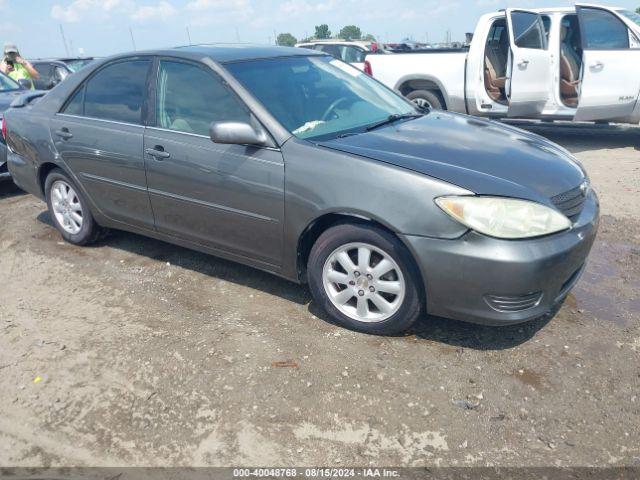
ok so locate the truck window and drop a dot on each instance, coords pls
(603, 30)
(528, 30)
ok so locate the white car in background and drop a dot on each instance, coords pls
(577, 63)
(349, 51)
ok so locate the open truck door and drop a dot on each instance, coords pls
(528, 88)
(610, 80)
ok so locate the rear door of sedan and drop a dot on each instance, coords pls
(226, 197)
(99, 134)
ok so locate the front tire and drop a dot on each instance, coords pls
(365, 279)
(69, 210)
(426, 99)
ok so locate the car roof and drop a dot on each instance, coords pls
(47, 60)
(336, 41)
(225, 53)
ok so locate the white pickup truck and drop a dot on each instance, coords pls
(574, 63)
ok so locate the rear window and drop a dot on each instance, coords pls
(117, 92)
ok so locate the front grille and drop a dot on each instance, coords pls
(570, 203)
(513, 303)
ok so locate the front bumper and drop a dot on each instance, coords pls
(463, 277)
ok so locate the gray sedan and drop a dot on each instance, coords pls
(296, 163)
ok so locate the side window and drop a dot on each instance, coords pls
(117, 92)
(528, 30)
(60, 74)
(45, 81)
(333, 50)
(603, 30)
(75, 106)
(189, 98)
(353, 55)
(44, 69)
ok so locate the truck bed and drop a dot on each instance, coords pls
(428, 69)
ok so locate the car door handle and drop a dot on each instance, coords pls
(64, 133)
(523, 63)
(158, 152)
(597, 66)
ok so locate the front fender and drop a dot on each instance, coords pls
(321, 181)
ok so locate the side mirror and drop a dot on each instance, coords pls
(25, 83)
(237, 133)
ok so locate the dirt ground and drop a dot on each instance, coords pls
(136, 352)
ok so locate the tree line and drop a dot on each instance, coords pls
(348, 32)
(322, 32)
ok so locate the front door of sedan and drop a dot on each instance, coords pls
(528, 86)
(226, 197)
(611, 66)
(99, 135)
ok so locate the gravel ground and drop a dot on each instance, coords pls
(136, 352)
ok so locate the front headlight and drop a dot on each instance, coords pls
(504, 217)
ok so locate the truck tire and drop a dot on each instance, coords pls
(426, 99)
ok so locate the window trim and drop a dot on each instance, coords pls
(83, 84)
(583, 31)
(94, 119)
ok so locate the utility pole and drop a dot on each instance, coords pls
(188, 35)
(237, 35)
(133, 42)
(275, 37)
(64, 41)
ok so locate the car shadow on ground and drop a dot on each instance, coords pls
(463, 334)
(580, 137)
(435, 329)
(9, 189)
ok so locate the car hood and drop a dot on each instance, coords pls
(483, 156)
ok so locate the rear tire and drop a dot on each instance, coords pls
(69, 210)
(365, 279)
(426, 98)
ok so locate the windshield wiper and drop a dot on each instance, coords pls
(393, 118)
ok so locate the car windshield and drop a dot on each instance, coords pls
(8, 84)
(318, 97)
(75, 65)
(633, 16)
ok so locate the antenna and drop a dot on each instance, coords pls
(133, 42)
(189, 35)
(64, 40)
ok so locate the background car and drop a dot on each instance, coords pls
(349, 51)
(9, 90)
(54, 71)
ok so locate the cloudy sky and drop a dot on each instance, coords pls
(101, 27)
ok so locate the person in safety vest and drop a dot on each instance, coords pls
(17, 67)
